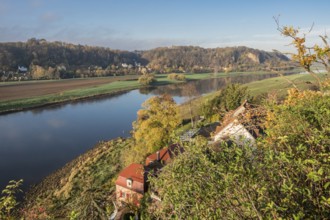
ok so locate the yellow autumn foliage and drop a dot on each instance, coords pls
(154, 127)
(295, 96)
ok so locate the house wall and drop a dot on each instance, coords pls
(238, 111)
(137, 186)
(127, 195)
(237, 133)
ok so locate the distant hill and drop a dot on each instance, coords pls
(197, 59)
(41, 59)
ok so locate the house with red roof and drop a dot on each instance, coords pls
(164, 155)
(131, 184)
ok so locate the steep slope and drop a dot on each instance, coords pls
(84, 186)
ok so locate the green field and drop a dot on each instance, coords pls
(278, 85)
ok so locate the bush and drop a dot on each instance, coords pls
(176, 76)
(8, 200)
(297, 159)
(147, 79)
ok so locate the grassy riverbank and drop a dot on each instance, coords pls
(278, 85)
(116, 85)
(84, 186)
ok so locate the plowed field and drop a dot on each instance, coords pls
(22, 90)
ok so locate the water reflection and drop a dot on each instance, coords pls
(206, 86)
(78, 102)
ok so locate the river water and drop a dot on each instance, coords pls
(35, 143)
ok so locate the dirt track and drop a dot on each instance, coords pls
(33, 89)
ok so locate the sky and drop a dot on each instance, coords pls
(145, 24)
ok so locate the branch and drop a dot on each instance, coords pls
(288, 80)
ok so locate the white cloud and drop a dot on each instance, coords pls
(55, 123)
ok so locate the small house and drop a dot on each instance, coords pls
(235, 129)
(131, 184)
(236, 132)
(165, 155)
(22, 69)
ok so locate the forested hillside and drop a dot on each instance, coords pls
(40, 59)
(45, 59)
(198, 59)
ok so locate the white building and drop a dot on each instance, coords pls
(233, 130)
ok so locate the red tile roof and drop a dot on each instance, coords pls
(165, 154)
(135, 173)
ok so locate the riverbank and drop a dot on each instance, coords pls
(35, 94)
(84, 185)
(278, 85)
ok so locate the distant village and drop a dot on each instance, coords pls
(34, 72)
(20, 75)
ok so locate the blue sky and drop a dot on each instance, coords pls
(145, 24)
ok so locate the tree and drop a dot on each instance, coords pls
(38, 72)
(231, 97)
(154, 126)
(190, 92)
(307, 56)
(147, 79)
(8, 200)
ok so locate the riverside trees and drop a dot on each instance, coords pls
(154, 127)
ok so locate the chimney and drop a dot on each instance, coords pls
(158, 156)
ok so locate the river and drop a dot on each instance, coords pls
(35, 143)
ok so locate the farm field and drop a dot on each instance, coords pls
(11, 91)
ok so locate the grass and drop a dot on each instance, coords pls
(280, 85)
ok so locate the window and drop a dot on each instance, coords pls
(129, 182)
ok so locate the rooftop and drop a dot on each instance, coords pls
(165, 154)
(134, 171)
